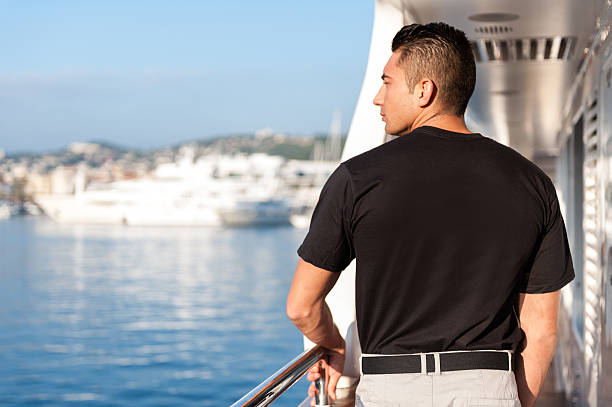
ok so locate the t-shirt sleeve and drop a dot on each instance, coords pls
(552, 266)
(328, 244)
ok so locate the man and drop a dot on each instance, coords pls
(460, 246)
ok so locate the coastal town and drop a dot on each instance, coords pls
(291, 168)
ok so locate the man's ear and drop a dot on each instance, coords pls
(425, 92)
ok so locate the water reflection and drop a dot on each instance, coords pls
(111, 315)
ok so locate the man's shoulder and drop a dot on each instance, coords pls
(519, 162)
(371, 158)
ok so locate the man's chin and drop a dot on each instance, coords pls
(390, 130)
(394, 131)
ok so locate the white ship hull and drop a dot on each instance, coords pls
(270, 212)
(82, 210)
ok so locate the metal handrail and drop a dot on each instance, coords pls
(275, 385)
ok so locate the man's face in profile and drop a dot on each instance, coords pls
(398, 104)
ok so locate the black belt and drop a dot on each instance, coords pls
(448, 362)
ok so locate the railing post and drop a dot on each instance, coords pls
(321, 397)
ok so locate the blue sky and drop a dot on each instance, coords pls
(150, 73)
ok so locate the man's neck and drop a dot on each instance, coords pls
(443, 121)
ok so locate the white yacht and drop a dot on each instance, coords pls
(211, 191)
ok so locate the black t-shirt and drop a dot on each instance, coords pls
(446, 228)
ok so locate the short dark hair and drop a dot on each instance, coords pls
(443, 54)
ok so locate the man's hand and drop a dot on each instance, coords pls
(333, 370)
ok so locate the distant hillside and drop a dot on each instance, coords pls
(96, 152)
(290, 147)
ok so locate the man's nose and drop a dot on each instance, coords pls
(378, 99)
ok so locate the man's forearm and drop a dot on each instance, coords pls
(532, 366)
(318, 326)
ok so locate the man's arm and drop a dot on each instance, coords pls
(307, 308)
(538, 317)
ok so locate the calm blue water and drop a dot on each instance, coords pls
(118, 316)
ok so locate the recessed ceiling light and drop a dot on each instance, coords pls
(493, 17)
